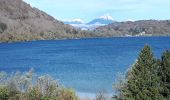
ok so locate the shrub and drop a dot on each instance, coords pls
(67, 94)
(26, 86)
(4, 93)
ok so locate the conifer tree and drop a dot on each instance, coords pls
(142, 79)
(164, 73)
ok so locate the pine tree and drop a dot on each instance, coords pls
(142, 79)
(164, 73)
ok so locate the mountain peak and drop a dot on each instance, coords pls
(102, 20)
(106, 17)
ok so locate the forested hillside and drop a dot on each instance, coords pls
(137, 28)
(20, 22)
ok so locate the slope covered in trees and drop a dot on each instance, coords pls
(137, 28)
(148, 79)
(20, 22)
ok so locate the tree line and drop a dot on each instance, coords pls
(148, 78)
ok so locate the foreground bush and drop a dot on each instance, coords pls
(26, 86)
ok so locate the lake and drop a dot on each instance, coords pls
(86, 65)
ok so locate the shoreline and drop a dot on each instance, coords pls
(9, 42)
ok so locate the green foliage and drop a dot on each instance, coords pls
(143, 78)
(4, 93)
(67, 94)
(148, 78)
(164, 73)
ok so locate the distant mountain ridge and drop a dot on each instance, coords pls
(100, 21)
(103, 20)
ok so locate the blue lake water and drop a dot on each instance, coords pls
(87, 65)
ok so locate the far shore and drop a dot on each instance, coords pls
(62, 39)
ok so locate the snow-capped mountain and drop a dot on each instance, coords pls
(100, 21)
(103, 20)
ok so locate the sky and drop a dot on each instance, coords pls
(120, 10)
